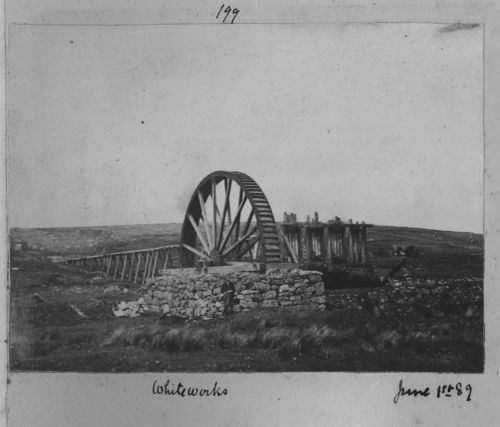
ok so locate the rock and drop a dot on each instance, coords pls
(269, 295)
(319, 288)
(284, 288)
(261, 287)
(270, 303)
(246, 304)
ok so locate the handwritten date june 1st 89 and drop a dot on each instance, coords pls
(443, 390)
(227, 11)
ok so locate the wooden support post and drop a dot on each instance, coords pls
(327, 244)
(356, 246)
(363, 245)
(131, 272)
(139, 257)
(348, 235)
(146, 265)
(117, 261)
(290, 248)
(110, 260)
(124, 266)
(165, 261)
(306, 244)
(154, 265)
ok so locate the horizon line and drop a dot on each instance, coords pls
(180, 223)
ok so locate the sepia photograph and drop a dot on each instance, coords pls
(246, 198)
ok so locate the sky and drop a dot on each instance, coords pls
(117, 124)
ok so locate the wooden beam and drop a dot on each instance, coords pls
(290, 249)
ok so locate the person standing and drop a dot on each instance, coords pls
(228, 290)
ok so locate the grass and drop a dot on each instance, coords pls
(288, 335)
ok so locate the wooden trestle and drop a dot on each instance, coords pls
(131, 266)
(331, 242)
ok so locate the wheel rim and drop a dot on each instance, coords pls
(229, 219)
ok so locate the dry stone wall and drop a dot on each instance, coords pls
(202, 296)
(427, 297)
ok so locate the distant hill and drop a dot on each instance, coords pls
(123, 237)
(437, 252)
(85, 240)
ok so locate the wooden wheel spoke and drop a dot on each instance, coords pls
(199, 233)
(227, 186)
(229, 203)
(255, 249)
(206, 226)
(240, 241)
(238, 218)
(214, 201)
(249, 221)
(195, 251)
(250, 246)
(233, 224)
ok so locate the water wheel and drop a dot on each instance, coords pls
(229, 219)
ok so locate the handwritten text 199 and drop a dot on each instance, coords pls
(228, 10)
